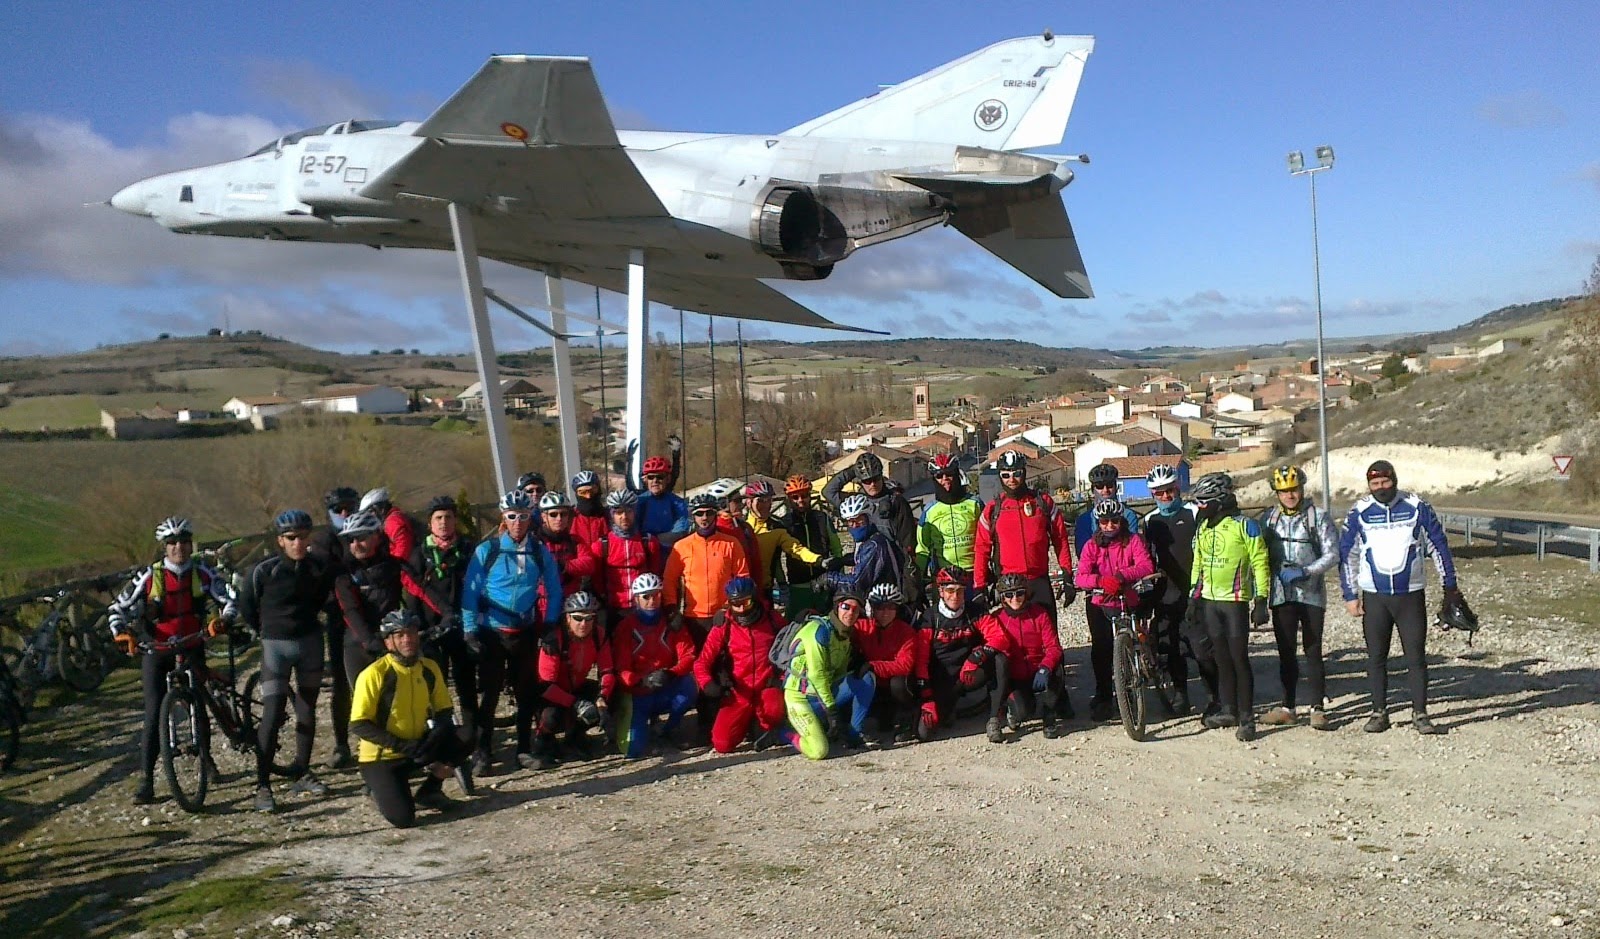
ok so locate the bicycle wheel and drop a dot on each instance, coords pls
(184, 756)
(78, 655)
(1125, 676)
(10, 733)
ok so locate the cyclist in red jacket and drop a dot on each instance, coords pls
(1021, 656)
(624, 552)
(886, 651)
(572, 701)
(1017, 533)
(734, 669)
(580, 568)
(654, 655)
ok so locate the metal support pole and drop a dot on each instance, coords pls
(494, 408)
(716, 444)
(638, 335)
(744, 394)
(1322, 363)
(683, 392)
(1594, 552)
(555, 294)
(1539, 541)
(1469, 530)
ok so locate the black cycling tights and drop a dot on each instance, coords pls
(279, 657)
(389, 781)
(1302, 620)
(153, 670)
(1382, 614)
(1228, 626)
(518, 654)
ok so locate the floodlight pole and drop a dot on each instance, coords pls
(1325, 160)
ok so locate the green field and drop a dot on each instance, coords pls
(36, 530)
(53, 411)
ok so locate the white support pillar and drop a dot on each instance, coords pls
(494, 407)
(555, 293)
(638, 338)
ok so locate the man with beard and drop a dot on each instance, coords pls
(589, 520)
(888, 507)
(948, 528)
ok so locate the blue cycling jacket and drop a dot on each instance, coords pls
(504, 584)
(1383, 547)
(663, 514)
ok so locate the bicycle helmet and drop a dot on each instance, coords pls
(531, 479)
(1211, 487)
(1103, 474)
(854, 506)
(175, 528)
(953, 575)
(886, 593)
(1011, 461)
(868, 466)
(657, 464)
(515, 500)
(554, 501)
(291, 520)
(797, 483)
(704, 500)
(1108, 508)
(343, 495)
(584, 478)
(581, 601)
(360, 525)
(440, 504)
(621, 499)
(375, 498)
(1010, 582)
(1455, 614)
(1287, 477)
(397, 620)
(943, 464)
(1160, 476)
(740, 588)
(645, 583)
(758, 489)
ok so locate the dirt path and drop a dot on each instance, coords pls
(1489, 831)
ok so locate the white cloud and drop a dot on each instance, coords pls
(1521, 110)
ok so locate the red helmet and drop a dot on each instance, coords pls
(758, 489)
(953, 575)
(943, 463)
(657, 464)
(799, 482)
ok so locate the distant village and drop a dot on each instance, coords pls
(1227, 420)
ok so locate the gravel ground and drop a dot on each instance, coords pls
(1489, 831)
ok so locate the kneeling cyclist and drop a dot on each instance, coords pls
(654, 655)
(400, 711)
(825, 700)
(1022, 658)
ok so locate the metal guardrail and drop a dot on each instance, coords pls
(1564, 535)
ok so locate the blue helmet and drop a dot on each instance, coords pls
(739, 588)
(291, 520)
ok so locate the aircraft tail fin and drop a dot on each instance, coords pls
(1013, 95)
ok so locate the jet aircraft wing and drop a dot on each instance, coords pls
(743, 298)
(527, 135)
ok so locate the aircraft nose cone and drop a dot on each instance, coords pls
(131, 200)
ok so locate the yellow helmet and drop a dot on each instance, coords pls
(1287, 477)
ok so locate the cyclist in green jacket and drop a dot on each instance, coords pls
(949, 525)
(824, 698)
(1232, 579)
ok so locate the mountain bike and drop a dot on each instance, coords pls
(1136, 669)
(190, 711)
(11, 718)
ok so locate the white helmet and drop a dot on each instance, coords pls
(174, 527)
(645, 583)
(886, 593)
(378, 496)
(1161, 476)
(360, 525)
(554, 499)
(853, 506)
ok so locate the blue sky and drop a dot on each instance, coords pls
(1468, 172)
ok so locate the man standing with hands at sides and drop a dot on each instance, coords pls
(1302, 545)
(1231, 578)
(1387, 537)
(511, 597)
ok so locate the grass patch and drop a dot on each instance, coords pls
(38, 532)
(53, 411)
(230, 902)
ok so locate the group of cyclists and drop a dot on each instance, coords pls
(610, 616)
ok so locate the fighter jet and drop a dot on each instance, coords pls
(527, 149)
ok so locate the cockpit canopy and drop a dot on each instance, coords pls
(343, 127)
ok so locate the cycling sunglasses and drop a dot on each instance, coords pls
(184, 540)
(516, 516)
(1013, 594)
(1012, 474)
(851, 606)
(699, 512)
(583, 617)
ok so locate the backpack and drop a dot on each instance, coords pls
(786, 645)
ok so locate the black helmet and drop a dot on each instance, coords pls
(868, 466)
(343, 495)
(398, 620)
(1103, 475)
(1008, 582)
(528, 479)
(1212, 487)
(1455, 614)
(1012, 460)
(440, 504)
